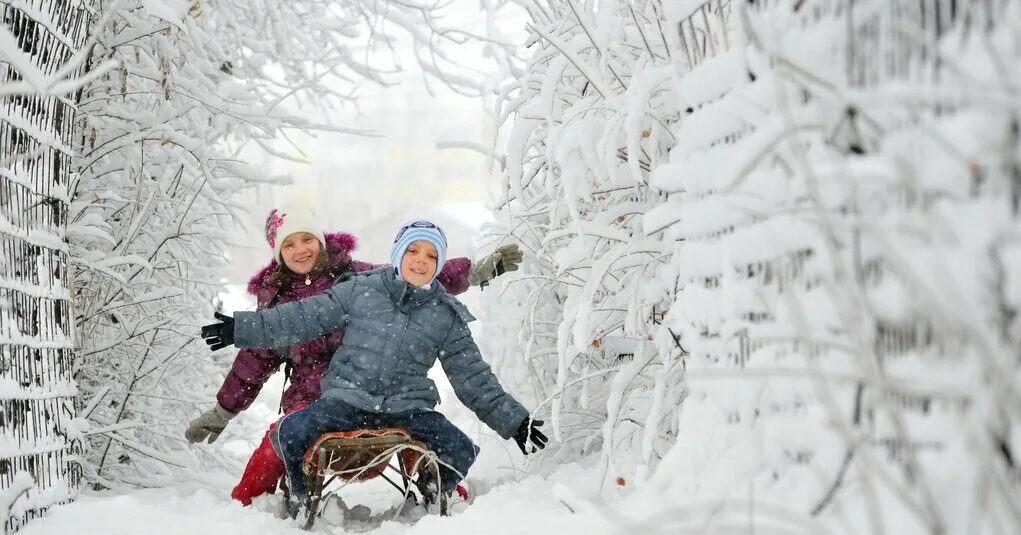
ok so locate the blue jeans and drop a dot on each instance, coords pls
(297, 431)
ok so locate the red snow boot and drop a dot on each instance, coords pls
(261, 475)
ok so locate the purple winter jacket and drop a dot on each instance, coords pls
(253, 366)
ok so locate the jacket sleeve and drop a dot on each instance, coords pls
(295, 322)
(251, 369)
(476, 385)
(360, 266)
(454, 275)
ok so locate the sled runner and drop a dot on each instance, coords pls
(353, 456)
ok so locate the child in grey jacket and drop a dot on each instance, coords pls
(398, 321)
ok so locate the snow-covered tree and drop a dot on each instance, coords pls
(591, 119)
(805, 316)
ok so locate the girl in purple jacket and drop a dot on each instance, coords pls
(306, 263)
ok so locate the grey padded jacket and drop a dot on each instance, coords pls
(394, 334)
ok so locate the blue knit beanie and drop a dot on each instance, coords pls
(415, 230)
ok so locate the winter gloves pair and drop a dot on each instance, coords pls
(208, 425)
(505, 258)
(527, 432)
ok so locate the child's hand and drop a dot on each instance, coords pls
(208, 425)
(529, 430)
(219, 335)
(505, 258)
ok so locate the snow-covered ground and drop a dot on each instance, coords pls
(504, 503)
(525, 507)
(506, 500)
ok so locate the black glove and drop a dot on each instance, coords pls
(529, 430)
(219, 335)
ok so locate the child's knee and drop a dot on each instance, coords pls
(464, 447)
(289, 438)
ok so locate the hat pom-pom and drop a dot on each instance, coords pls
(273, 222)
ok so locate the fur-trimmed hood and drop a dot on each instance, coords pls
(339, 246)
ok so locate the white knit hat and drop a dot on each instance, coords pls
(281, 224)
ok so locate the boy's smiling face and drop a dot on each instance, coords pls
(419, 263)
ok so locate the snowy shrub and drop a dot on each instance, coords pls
(158, 165)
(592, 118)
(847, 205)
(833, 241)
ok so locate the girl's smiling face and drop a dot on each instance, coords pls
(300, 251)
(419, 263)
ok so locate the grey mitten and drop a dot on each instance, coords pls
(505, 258)
(208, 424)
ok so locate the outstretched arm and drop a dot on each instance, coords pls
(295, 322)
(476, 385)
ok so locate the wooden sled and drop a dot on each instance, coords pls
(365, 454)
